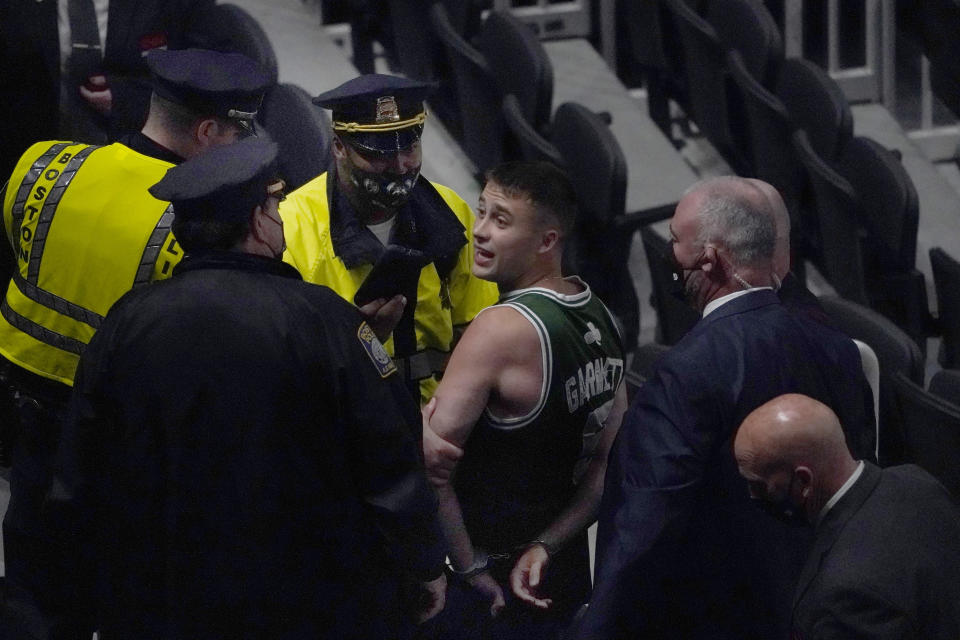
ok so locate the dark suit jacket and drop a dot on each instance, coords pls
(30, 65)
(886, 562)
(681, 552)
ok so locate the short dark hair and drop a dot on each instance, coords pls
(205, 232)
(179, 119)
(543, 184)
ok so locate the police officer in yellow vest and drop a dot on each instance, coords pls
(83, 230)
(382, 236)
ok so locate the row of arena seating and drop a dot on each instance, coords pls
(853, 207)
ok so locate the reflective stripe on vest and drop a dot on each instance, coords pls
(40, 332)
(36, 170)
(28, 286)
(50, 209)
(55, 302)
(152, 250)
(88, 232)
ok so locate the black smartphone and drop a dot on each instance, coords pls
(396, 271)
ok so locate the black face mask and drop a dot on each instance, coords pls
(678, 284)
(384, 190)
(783, 509)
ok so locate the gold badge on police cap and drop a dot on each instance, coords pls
(387, 110)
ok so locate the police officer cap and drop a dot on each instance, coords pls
(378, 112)
(224, 183)
(229, 85)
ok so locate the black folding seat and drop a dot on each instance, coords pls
(529, 143)
(897, 354)
(478, 96)
(229, 27)
(830, 233)
(711, 101)
(519, 64)
(932, 432)
(889, 214)
(600, 247)
(946, 279)
(302, 131)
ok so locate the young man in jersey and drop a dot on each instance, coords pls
(532, 394)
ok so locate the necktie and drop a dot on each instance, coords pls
(85, 55)
(77, 120)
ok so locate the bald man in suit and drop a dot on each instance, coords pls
(885, 564)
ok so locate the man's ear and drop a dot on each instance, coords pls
(805, 479)
(548, 240)
(256, 222)
(205, 129)
(339, 149)
(710, 259)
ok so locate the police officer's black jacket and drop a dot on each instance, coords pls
(235, 465)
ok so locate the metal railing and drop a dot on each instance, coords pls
(551, 18)
(873, 75)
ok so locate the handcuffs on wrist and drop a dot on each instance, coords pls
(481, 559)
(481, 562)
(550, 549)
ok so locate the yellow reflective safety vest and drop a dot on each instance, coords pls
(85, 231)
(448, 294)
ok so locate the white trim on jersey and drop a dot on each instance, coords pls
(546, 353)
(566, 299)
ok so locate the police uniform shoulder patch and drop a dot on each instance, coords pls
(378, 354)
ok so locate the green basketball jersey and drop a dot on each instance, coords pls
(518, 473)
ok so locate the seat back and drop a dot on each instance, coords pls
(301, 130)
(674, 317)
(595, 161)
(748, 27)
(946, 279)
(421, 56)
(817, 105)
(598, 171)
(830, 227)
(652, 47)
(890, 215)
(946, 384)
(478, 97)
(519, 64)
(710, 102)
(931, 431)
(418, 51)
(871, 371)
(531, 145)
(896, 353)
(229, 27)
(769, 136)
(889, 199)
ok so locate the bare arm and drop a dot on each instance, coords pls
(479, 370)
(579, 514)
